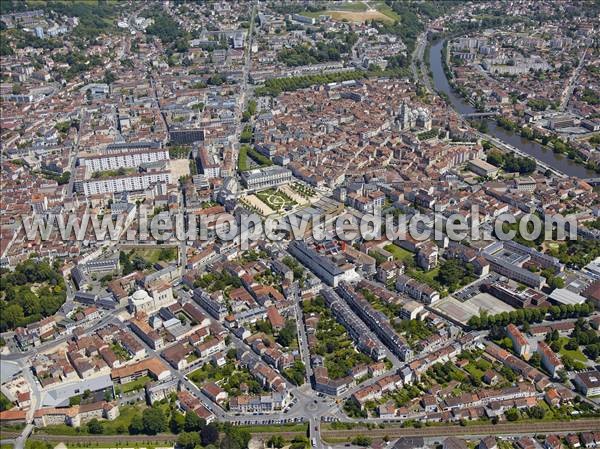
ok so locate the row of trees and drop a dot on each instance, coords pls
(275, 86)
(530, 315)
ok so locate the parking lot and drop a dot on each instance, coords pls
(474, 289)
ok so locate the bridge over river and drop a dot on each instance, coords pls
(480, 114)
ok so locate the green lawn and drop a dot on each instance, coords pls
(431, 275)
(429, 278)
(137, 384)
(155, 255)
(118, 426)
(474, 370)
(120, 351)
(5, 403)
(384, 8)
(349, 6)
(399, 253)
(575, 355)
(127, 413)
(275, 199)
(113, 173)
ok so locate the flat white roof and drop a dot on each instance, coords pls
(564, 296)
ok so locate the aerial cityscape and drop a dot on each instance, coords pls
(300, 224)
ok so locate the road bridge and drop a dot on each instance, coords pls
(481, 114)
(592, 181)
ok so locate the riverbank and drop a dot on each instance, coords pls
(543, 155)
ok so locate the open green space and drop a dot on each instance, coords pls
(384, 8)
(118, 426)
(141, 259)
(156, 255)
(400, 253)
(5, 403)
(137, 384)
(276, 199)
(575, 354)
(120, 351)
(249, 159)
(113, 173)
(477, 368)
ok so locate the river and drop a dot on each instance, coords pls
(557, 161)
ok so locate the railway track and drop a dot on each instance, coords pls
(582, 425)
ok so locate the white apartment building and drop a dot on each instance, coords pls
(114, 161)
(138, 181)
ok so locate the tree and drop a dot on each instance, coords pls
(13, 315)
(563, 376)
(235, 438)
(246, 135)
(536, 412)
(209, 434)
(361, 440)
(136, 426)
(109, 77)
(288, 334)
(512, 414)
(193, 423)
(536, 359)
(495, 157)
(153, 421)
(276, 441)
(229, 443)
(95, 426)
(176, 424)
(188, 440)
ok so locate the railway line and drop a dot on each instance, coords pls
(336, 435)
(583, 425)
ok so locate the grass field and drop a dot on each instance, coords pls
(384, 8)
(275, 200)
(116, 427)
(356, 12)
(156, 254)
(137, 384)
(431, 275)
(399, 253)
(358, 17)
(575, 355)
